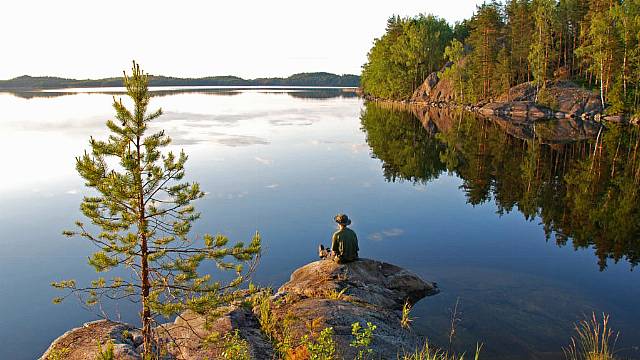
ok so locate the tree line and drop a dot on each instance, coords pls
(591, 42)
(302, 79)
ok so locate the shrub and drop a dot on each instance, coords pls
(58, 354)
(546, 98)
(363, 337)
(235, 347)
(106, 353)
(322, 348)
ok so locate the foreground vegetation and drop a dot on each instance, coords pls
(594, 42)
(141, 213)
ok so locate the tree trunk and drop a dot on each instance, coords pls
(624, 68)
(145, 315)
(602, 82)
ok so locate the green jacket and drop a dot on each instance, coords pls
(344, 244)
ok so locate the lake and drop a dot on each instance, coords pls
(525, 229)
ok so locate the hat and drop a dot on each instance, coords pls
(342, 219)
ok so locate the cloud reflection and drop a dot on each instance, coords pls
(386, 233)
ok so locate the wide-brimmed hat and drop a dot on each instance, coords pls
(342, 219)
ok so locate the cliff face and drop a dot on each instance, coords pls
(323, 293)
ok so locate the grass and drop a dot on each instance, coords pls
(429, 353)
(594, 340)
(406, 319)
(333, 294)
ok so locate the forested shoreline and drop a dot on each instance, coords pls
(302, 79)
(592, 43)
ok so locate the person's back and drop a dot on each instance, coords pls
(344, 245)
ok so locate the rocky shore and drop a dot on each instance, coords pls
(323, 293)
(522, 102)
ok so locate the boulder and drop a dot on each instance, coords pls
(338, 295)
(82, 343)
(366, 281)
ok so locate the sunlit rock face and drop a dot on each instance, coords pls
(371, 291)
(82, 342)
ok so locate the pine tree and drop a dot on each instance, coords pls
(504, 71)
(599, 44)
(454, 53)
(486, 25)
(542, 46)
(519, 29)
(141, 216)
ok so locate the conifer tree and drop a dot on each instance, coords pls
(598, 48)
(486, 26)
(141, 213)
(454, 53)
(542, 46)
(519, 29)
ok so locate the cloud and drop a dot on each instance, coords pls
(272, 186)
(71, 192)
(231, 196)
(241, 140)
(357, 148)
(291, 122)
(264, 161)
(393, 232)
(376, 237)
(326, 142)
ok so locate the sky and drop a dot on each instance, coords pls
(92, 39)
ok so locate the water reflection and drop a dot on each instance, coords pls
(585, 194)
(305, 93)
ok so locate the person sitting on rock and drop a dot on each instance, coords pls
(344, 243)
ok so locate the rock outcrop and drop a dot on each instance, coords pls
(567, 100)
(372, 291)
(323, 292)
(435, 89)
(82, 343)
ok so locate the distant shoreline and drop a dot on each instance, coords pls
(316, 79)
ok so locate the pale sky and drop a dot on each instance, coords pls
(91, 39)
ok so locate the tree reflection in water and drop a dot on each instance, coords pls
(583, 188)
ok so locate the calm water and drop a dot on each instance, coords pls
(528, 233)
